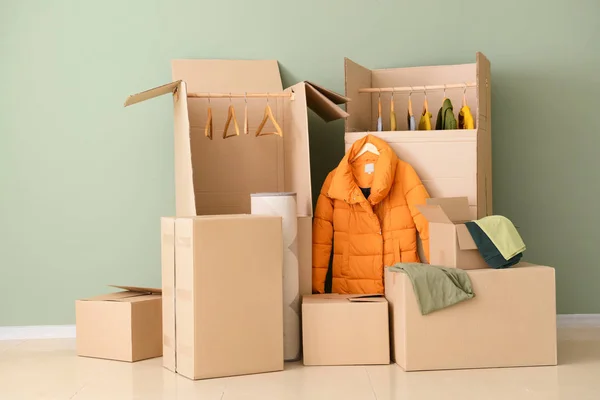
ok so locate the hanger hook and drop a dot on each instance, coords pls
(209, 98)
(379, 93)
(246, 97)
(444, 90)
(267, 97)
(465, 90)
(410, 93)
(393, 93)
(229, 97)
(425, 91)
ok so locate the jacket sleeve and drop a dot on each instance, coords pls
(416, 194)
(322, 238)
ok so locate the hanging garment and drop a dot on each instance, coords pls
(411, 122)
(503, 234)
(410, 118)
(367, 233)
(488, 250)
(393, 125)
(445, 117)
(436, 287)
(465, 118)
(425, 121)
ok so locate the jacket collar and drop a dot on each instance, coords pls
(343, 185)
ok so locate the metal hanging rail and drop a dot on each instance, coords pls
(238, 95)
(418, 88)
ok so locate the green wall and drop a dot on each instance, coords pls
(83, 181)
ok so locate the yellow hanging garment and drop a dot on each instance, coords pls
(465, 118)
(425, 121)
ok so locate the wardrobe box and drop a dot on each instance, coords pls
(450, 163)
(123, 326)
(345, 330)
(450, 243)
(222, 279)
(216, 177)
(511, 322)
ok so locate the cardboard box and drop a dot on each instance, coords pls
(511, 322)
(450, 243)
(125, 326)
(450, 163)
(168, 278)
(226, 315)
(345, 330)
(216, 177)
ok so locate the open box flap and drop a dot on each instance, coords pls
(152, 93)
(137, 289)
(465, 240)
(434, 214)
(325, 102)
(455, 208)
(374, 298)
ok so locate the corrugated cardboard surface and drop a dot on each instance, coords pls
(511, 322)
(450, 243)
(125, 326)
(228, 295)
(167, 227)
(338, 331)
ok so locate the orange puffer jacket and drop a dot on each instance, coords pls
(367, 234)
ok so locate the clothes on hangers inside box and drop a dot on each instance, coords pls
(445, 118)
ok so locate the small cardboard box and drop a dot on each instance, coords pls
(511, 322)
(450, 243)
(125, 326)
(223, 311)
(345, 330)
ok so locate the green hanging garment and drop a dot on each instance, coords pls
(445, 117)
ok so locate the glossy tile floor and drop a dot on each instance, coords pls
(49, 369)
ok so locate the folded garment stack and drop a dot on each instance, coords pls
(497, 240)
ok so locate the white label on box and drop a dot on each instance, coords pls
(369, 168)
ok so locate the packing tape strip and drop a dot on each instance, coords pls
(185, 241)
(168, 238)
(184, 295)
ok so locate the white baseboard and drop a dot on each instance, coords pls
(578, 320)
(37, 332)
(68, 331)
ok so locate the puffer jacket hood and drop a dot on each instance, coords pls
(368, 233)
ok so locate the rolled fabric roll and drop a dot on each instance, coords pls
(284, 205)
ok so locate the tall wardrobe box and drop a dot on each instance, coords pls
(451, 163)
(124, 326)
(345, 330)
(450, 243)
(222, 279)
(511, 322)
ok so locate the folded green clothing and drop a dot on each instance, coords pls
(436, 287)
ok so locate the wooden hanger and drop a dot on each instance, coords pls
(230, 116)
(425, 104)
(246, 131)
(208, 129)
(379, 120)
(269, 116)
(367, 147)
(393, 126)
